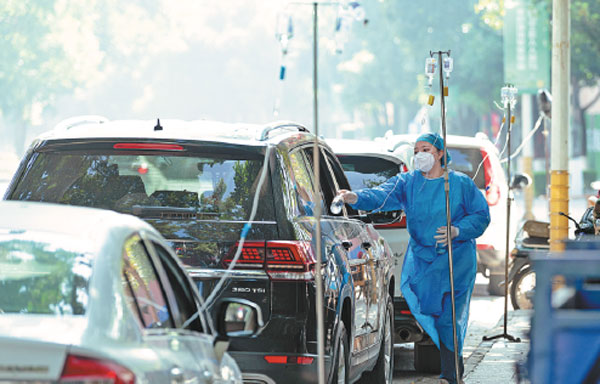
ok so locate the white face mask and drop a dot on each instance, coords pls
(423, 161)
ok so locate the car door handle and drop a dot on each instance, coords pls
(346, 244)
(366, 245)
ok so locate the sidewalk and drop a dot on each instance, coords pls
(494, 361)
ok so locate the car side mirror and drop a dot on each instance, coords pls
(239, 318)
(520, 181)
(236, 318)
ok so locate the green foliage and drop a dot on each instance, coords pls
(399, 38)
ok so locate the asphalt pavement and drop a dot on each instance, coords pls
(486, 362)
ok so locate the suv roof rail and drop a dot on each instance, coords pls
(289, 125)
(78, 120)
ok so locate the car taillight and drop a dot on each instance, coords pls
(290, 260)
(492, 194)
(277, 359)
(492, 191)
(85, 370)
(252, 255)
(397, 224)
(484, 247)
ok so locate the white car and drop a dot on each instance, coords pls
(478, 158)
(96, 296)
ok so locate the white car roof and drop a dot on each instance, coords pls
(94, 227)
(480, 140)
(90, 127)
(360, 147)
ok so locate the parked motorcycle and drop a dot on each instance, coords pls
(533, 237)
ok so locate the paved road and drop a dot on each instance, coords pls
(484, 315)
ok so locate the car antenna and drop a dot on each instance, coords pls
(158, 127)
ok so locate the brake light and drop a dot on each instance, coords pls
(151, 146)
(397, 224)
(484, 247)
(252, 256)
(301, 360)
(284, 260)
(290, 260)
(85, 370)
(492, 194)
(405, 312)
(492, 191)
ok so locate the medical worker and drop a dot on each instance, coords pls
(425, 280)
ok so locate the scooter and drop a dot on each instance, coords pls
(533, 237)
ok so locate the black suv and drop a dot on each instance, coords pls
(195, 182)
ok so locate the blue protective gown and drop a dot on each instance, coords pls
(425, 281)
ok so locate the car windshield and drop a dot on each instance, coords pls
(467, 160)
(40, 275)
(367, 171)
(215, 186)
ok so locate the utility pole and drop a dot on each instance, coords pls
(527, 158)
(559, 178)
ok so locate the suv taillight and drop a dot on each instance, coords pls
(252, 256)
(397, 224)
(492, 191)
(85, 370)
(290, 260)
(283, 260)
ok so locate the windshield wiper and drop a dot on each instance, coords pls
(177, 213)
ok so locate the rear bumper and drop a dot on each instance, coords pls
(256, 370)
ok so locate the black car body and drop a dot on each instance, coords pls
(195, 182)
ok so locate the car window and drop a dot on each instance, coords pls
(217, 185)
(43, 273)
(143, 290)
(467, 160)
(182, 290)
(305, 193)
(367, 171)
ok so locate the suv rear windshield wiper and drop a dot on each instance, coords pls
(151, 212)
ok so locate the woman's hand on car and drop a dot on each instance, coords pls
(347, 196)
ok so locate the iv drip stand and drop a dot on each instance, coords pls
(448, 214)
(505, 334)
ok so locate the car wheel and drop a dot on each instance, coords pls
(495, 285)
(427, 357)
(340, 373)
(522, 288)
(383, 371)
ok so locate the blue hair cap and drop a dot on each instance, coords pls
(436, 140)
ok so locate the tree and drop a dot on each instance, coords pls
(585, 49)
(399, 38)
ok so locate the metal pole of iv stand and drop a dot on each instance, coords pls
(512, 91)
(317, 210)
(448, 213)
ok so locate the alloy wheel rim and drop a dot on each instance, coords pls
(388, 351)
(341, 371)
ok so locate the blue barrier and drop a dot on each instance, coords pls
(565, 337)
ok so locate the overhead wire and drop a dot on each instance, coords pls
(247, 226)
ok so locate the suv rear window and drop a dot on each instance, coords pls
(367, 171)
(216, 185)
(467, 160)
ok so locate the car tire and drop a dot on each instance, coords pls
(383, 371)
(427, 357)
(495, 285)
(342, 357)
(518, 292)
